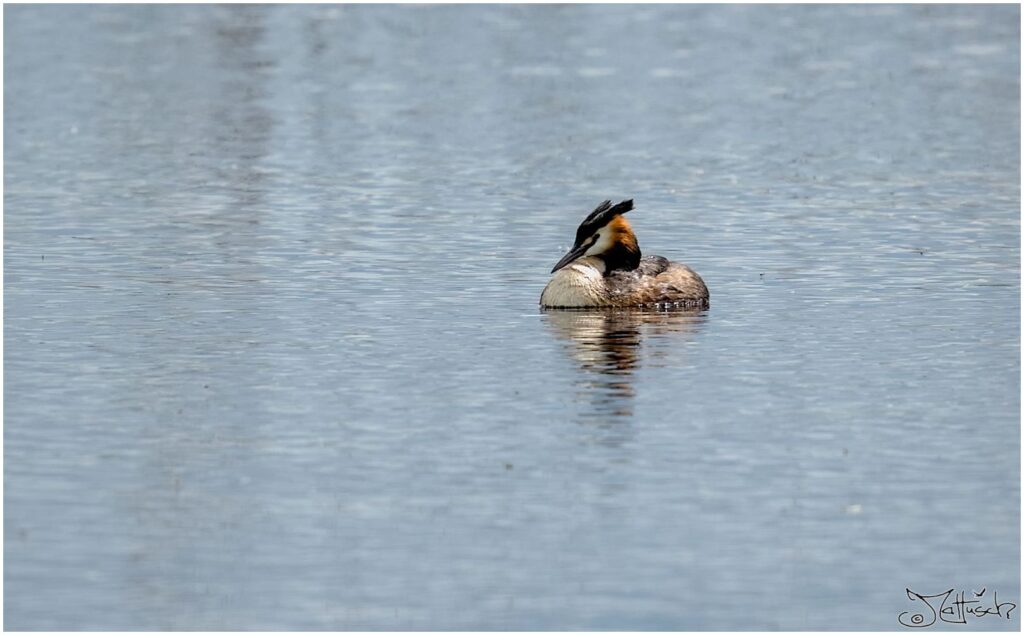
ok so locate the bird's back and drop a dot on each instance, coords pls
(657, 281)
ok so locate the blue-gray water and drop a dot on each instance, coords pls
(273, 358)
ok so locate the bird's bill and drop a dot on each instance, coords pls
(573, 254)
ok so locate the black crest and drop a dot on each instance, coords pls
(600, 217)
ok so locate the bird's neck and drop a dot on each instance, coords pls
(624, 255)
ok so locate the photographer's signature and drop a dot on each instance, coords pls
(954, 608)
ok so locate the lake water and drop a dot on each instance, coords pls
(273, 357)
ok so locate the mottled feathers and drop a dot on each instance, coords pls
(657, 281)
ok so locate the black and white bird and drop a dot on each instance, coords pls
(605, 268)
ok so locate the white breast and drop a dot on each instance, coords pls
(580, 284)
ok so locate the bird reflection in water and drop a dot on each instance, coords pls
(609, 345)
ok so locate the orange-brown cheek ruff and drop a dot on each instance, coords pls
(623, 254)
(622, 230)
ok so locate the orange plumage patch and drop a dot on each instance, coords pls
(622, 232)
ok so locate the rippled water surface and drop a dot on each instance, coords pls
(273, 358)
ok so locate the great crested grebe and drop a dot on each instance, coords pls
(604, 268)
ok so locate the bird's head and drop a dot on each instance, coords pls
(606, 233)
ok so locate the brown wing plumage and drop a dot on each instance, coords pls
(658, 280)
(652, 266)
